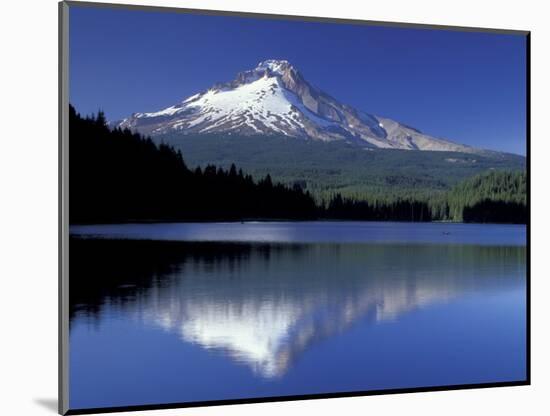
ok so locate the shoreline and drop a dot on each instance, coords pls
(278, 220)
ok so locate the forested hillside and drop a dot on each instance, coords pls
(117, 175)
(120, 176)
(353, 171)
(497, 196)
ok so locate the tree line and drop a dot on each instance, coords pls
(119, 176)
(497, 196)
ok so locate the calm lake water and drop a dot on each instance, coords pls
(167, 313)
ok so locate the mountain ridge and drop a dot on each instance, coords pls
(274, 98)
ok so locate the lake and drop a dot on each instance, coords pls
(171, 313)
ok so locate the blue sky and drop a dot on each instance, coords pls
(466, 87)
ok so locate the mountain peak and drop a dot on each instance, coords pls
(275, 99)
(277, 66)
(270, 68)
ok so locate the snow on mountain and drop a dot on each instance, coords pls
(275, 99)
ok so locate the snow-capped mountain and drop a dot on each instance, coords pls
(275, 99)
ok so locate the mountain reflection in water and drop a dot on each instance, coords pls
(264, 304)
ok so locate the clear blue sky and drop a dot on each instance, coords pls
(467, 87)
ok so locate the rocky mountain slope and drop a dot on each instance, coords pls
(274, 99)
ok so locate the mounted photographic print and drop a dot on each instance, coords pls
(264, 208)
